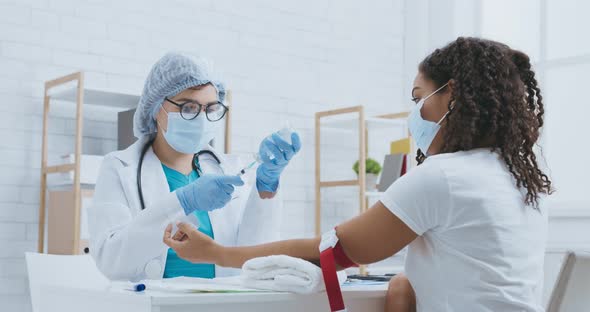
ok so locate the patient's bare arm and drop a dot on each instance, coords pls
(367, 238)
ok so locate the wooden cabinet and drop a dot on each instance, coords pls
(62, 211)
(66, 235)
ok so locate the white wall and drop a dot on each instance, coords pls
(284, 60)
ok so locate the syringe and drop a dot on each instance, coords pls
(248, 167)
(284, 133)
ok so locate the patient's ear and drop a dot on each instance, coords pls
(451, 86)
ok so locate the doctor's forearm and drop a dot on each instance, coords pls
(307, 249)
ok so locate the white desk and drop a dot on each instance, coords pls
(64, 299)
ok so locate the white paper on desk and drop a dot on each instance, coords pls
(198, 285)
(205, 285)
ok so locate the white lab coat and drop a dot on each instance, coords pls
(126, 242)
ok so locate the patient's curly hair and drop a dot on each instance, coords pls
(497, 104)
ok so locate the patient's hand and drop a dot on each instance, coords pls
(191, 245)
(179, 236)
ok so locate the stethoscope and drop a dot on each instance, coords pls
(195, 164)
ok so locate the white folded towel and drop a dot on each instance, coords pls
(284, 273)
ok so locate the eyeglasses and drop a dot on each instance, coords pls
(189, 110)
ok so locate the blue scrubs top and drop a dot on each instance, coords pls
(176, 266)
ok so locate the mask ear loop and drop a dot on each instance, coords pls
(443, 118)
(446, 114)
(435, 91)
(157, 122)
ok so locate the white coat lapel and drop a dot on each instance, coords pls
(128, 174)
(153, 180)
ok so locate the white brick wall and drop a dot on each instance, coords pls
(284, 60)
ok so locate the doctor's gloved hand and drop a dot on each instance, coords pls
(275, 154)
(208, 192)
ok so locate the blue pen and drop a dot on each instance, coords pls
(138, 287)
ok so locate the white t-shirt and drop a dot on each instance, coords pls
(479, 248)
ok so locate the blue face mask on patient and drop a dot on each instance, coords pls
(423, 131)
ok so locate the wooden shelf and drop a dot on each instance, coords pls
(372, 123)
(374, 194)
(350, 119)
(64, 230)
(99, 98)
(60, 168)
(339, 183)
(69, 185)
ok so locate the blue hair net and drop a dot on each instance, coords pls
(172, 74)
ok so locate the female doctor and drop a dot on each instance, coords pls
(171, 174)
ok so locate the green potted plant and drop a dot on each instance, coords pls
(373, 168)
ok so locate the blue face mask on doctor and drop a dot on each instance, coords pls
(423, 131)
(189, 136)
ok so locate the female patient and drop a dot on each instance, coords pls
(469, 212)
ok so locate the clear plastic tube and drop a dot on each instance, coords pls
(249, 166)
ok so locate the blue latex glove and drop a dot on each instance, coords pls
(269, 171)
(208, 192)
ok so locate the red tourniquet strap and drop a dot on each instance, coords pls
(404, 165)
(341, 258)
(328, 264)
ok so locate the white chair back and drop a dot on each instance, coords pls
(572, 288)
(78, 271)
